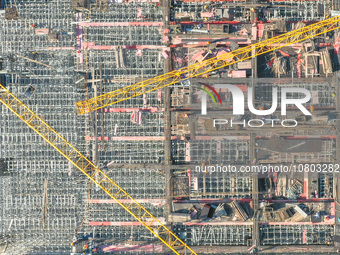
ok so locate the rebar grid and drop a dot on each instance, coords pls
(211, 151)
(290, 235)
(214, 63)
(221, 186)
(214, 235)
(92, 172)
(126, 12)
(19, 35)
(133, 152)
(323, 93)
(121, 124)
(325, 155)
(125, 35)
(113, 212)
(149, 64)
(22, 205)
(118, 233)
(52, 77)
(143, 183)
(288, 10)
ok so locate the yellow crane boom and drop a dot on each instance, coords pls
(209, 65)
(93, 173)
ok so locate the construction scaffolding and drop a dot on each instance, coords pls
(299, 234)
(220, 186)
(241, 10)
(22, 211)
(126, 12)
(322, 94)
(214, 235)
(206, 66)
(48, 63)
(59, 52)
(98, 177)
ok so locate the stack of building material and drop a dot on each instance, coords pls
(320, 118)
(267, 214)
(326, 62)
(81, 4)
(184, 16)
(280, 65)
(297, 186)
(53, 37)
(290, 213)
(179, 217)
(205, 212)
(312, 60)
(281, 186)
(136, 117)
(284, 214)
(295, 189)
(120, 59)
(220, 211)
(299, 214)
(239, 211)
(11, 13)
(238, 74)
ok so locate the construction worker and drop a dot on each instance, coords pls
(86, 246)
(253, 16)
(86, 249)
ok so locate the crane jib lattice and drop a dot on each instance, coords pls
(93, 173)
(209, 65)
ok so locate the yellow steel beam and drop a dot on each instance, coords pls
(93, 173)
(209, 65)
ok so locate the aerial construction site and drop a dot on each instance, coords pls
(169, 127)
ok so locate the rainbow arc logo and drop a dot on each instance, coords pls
(209, 93)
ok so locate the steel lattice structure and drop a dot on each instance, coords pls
(209, 65)
(93, 173)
